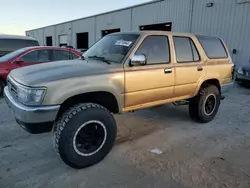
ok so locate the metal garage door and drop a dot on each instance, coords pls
(63, 40)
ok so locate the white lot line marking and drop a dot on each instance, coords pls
(156, 151)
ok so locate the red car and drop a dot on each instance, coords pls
(33, 55)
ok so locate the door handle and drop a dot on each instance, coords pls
(167, 71)
(200, 68)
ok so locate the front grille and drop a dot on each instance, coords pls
(12, 88)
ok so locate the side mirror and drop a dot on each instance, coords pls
(19, 61)
(138, 60)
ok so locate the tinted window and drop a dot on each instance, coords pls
(213, 47)
(74, 56)
(195, 52)
(30, 57)
(59, 55)
(156, 49)
(10, 45)
(43, 56)
(40, 56)
(185, 50)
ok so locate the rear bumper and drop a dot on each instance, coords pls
(225, 88)
(33, 119)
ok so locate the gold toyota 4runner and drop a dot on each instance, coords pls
(122, 72)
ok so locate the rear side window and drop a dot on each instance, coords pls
(185, 50)
(74, 56)
(59, 55)
(213, 47)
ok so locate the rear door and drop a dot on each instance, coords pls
(188, 65)
(217, 55)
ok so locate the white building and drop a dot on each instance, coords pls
(228, 19)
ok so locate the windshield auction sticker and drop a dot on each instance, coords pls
(123, 43)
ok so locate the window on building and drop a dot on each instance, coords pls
(185, 50)
(213, 47)
(82, 40)
(156, 49)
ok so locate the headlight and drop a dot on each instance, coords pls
(30, 96)
(240, 71)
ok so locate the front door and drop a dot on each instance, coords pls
(188, 67)
(152, 83)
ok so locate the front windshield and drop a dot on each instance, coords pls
(113, 48)
(10, 55)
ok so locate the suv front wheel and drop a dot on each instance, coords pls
(84, 135)
(204, 107)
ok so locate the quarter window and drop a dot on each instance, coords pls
(156, 49)
(185, 50)
(213, 47)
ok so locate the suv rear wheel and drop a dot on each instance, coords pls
(84, 135)
(204, 107)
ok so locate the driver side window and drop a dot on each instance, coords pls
(30, 57)
(38, 56)
(156, 49)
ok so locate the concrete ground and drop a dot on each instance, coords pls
(210, 155)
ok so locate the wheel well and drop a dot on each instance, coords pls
(102, 98)
(214, 82)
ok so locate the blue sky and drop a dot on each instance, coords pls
(17, 16)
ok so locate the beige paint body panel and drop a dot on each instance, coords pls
(148, 84)
(133, 87)
(61, 90)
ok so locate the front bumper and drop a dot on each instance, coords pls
(33, 119)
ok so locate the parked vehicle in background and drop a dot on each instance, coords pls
(242, 75)
(33, 55)
(122, 72)
(10, 43)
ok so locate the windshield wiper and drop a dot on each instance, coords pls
(103, 59)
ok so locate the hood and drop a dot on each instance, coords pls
(48, 72)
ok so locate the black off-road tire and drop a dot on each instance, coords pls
(197, 104)
(2, 85)
(68, 124)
